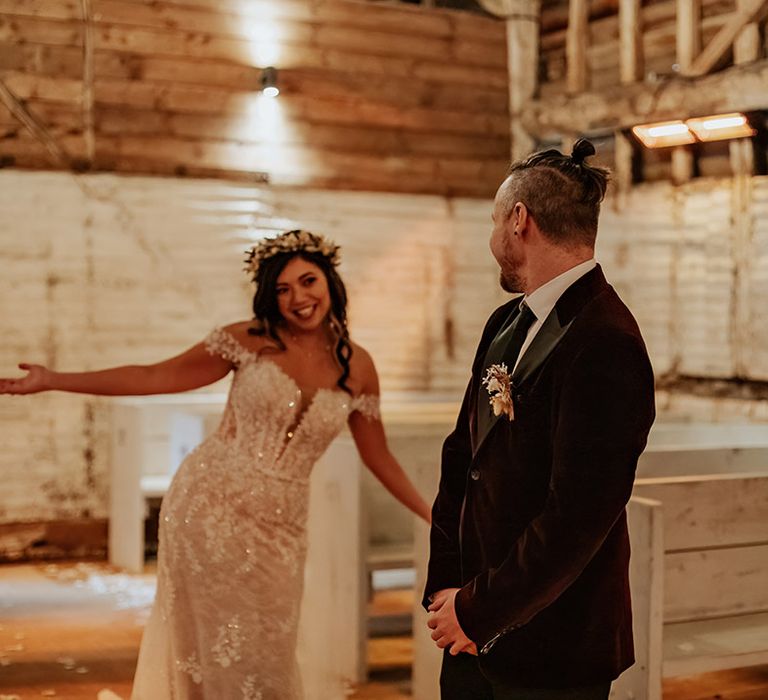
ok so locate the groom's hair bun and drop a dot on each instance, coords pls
(562, 192)
(581, 149)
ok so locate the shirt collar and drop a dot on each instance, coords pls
(543, 300)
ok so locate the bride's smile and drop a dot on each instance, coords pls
(302, 295)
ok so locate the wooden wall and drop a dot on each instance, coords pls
(386, 98)
(659, 34)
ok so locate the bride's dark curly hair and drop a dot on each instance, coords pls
(267, 314)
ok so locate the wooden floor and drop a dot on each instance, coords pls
(71, 630)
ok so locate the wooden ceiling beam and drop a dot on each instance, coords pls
(742, 88)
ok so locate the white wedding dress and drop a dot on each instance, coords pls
(233, 540)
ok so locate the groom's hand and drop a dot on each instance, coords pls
(446, 630)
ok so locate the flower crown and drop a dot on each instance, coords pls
(290, 242)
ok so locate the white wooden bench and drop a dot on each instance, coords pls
(151, 435)
(675, 449)
(699, 578)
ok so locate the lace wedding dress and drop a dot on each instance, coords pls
(233, 541)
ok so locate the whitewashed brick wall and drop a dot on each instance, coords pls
(692, 263)
(101, 270)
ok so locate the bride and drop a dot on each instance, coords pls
(233, 523)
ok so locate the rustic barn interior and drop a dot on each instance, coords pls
(141, 153)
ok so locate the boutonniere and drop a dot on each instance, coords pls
(499, 385)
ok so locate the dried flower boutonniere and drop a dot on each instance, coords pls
(499, 385)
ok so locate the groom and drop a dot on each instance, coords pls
(527, 584)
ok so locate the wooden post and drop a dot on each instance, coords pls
(630, 41)
(688, 33)
(523, 59)
(624, 155)
(576, 46)
(742, 317)
(682, 165)
(746, 49)
(642, 681)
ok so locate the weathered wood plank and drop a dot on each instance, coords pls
(205, 100)
(46, 9)
(711, 511)
(21, 30)
(64, 61)
(249, 51)
(57, 89)
(219, 72)
(243, 129)
(301, 166)
(691, 648)
(715, 583)
(391, 17)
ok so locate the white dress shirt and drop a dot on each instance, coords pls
(543, 300)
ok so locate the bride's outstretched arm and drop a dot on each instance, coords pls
(189, 370)
(370, 438)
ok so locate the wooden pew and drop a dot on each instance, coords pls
(699, 578)
(676, 449)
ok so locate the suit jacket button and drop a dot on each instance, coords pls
(475, 474)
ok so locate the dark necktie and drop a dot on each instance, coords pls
(505, 348)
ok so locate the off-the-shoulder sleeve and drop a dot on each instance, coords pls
(220, 342)
(367, 405)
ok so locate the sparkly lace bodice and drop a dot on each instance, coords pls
(269, 422)
(233, 540)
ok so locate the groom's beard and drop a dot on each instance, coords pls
(511, 282)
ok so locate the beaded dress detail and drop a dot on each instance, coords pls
(233, 540)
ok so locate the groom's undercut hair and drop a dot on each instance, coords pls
(563, 193)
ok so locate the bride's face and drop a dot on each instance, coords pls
(302, 294)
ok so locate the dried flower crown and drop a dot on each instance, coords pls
(290, 242)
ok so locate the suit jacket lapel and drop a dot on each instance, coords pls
(550, 334)
(479, 367)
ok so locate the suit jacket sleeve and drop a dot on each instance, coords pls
(444, 569)
(604, 412)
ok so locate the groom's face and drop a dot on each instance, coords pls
(504, 244)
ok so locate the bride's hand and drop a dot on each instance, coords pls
(37, 379)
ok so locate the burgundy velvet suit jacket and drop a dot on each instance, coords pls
(529, 521)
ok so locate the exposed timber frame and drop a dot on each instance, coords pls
(740, 88)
